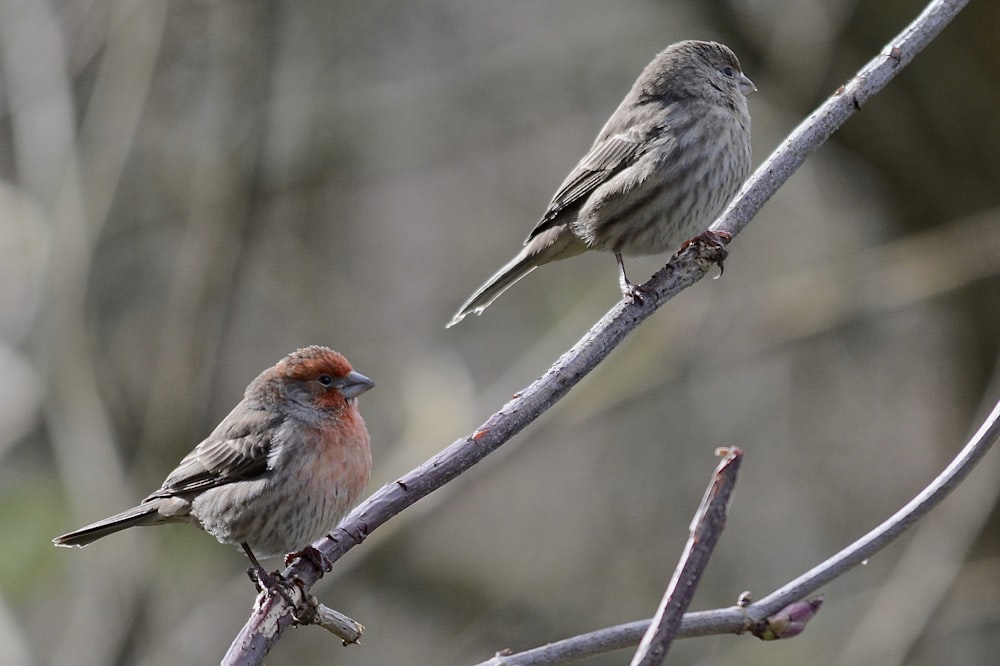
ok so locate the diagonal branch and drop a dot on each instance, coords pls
(888, 531)
(754, 617)
(706, 528)
(683, 270)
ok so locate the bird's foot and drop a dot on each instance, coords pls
(272, 582)
(636, 292)
(710, 246)
(313, 555)
(263, 580)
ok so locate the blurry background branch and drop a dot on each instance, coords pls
(324, 155)
(72, 168)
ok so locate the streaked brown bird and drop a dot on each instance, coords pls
(279, 472)
(667, 162)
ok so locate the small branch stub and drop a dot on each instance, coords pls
(345, 628)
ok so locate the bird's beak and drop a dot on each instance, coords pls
(354, 384)
(746, 85)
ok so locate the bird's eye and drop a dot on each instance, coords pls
(325, 380)
(728, 71)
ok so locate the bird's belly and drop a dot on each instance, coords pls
(264, 517)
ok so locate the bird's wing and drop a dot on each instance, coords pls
(237, 450)
(605, 159)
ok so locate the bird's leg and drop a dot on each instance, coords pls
(256, 572)
(264, 581)
(636, 292)
(315, 557)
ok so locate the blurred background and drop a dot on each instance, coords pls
(190, 190)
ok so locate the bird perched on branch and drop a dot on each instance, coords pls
(664, 166)
(279, 472)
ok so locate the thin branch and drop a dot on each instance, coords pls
(888, 531)
(754, 617)
(683, 270)
(706, 528)
(909, 599)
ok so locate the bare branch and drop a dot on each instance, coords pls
(756, 617)
(706, 528)
(683, 270)
(338, 624)
(885, 533)
(828, 118)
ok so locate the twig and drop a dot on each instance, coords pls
(885, 533)
(754, 617)
(906, 605)
(706, 528)
(338, 624)
(683, 270)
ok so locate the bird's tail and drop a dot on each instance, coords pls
(501, 281)
(555, 243)
(144, 514)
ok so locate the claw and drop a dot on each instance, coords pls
(264, 581)
(712, 246)
(314, 556)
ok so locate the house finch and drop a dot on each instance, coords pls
(278, 473)
(669, 159)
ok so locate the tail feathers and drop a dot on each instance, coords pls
(144, 514)
(554, 243)
(501, 281)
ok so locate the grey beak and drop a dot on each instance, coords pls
(746, 85)
(354, 384)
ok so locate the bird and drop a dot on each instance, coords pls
(287, 463)
(664, 166)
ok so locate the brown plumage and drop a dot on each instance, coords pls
(663, 167)
(290, 460)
